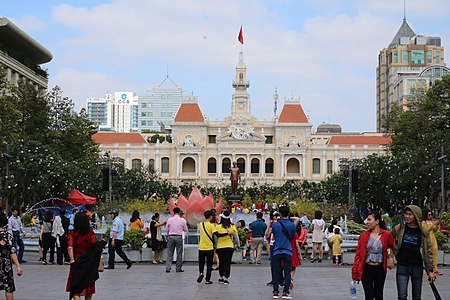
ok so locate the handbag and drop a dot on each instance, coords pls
(101, 266)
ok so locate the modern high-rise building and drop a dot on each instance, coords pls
(156, 111)
(21, 55)
(118, 112)
(410, 63)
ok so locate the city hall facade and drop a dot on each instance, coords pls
(272, 152)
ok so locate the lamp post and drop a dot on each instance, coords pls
(109, 193)
(442, 160)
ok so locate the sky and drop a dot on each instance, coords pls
(323, 52)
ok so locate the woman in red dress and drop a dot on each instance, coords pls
(296, 257)
(78, 243)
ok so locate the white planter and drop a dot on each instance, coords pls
(446, 259)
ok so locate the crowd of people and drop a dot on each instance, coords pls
(285, 238)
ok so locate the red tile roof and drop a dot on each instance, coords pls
(114, 137)
(292, 113)
(189, 112)
(359, 140)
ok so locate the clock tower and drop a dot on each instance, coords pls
(240, 106)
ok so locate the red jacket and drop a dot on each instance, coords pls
(387, 241)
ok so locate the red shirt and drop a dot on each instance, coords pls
(387, 241)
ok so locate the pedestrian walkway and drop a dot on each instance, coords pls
(146, 281)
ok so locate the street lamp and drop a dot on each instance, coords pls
(107, 156)
(442, 160)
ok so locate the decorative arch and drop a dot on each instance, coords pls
(269, 166)
(188, 165)
(136, 164)
(292, 166)
(241, 165)
(254, 166)
(226, 165)
(212, 165)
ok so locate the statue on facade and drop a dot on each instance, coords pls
(235, 177)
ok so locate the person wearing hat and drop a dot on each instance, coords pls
(175, 227)
(116, 240)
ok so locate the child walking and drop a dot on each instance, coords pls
(336, 241)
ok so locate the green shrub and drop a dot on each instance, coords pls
(441, 239)
(133, 237)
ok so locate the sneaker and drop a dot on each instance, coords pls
(129, 265)
(44, 262)
(286, 296)
(226, 281)
(221, 280)
(200, 278)
(275, 295)
(208, 282)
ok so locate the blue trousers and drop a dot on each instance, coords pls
(286, 269)
(18, 244)
(404, 272)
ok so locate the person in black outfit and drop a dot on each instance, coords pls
(61, 251)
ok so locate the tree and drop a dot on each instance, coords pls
(418, 135)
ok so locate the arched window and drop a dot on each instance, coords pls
(136, 164)
(188, 165)
(212, 165)
(241, 165)
(254, 166)
(269, 166)
(226, 165)
(329, 167)
(151, 165)
(316, 166)
(293, 166)
(165, 165)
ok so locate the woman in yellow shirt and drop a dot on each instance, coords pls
(135, 221)
(432, 226)
(225, 245)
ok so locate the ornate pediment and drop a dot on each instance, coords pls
(241, 132)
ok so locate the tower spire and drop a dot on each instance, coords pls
(404, 10)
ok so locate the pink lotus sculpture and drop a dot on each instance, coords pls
(195, 206)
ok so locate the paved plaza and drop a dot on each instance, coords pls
(147, 281)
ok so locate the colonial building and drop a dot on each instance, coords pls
(272, 152)
(21, 56)
(410, 64)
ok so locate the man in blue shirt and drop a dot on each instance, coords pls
(116, 240)
(258, 229)
(283, 231)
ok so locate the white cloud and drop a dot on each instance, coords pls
(329, 59)
(30, 23)
(81, 85)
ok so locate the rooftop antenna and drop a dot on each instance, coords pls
(167, 71)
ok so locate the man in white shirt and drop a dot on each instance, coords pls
(15, 226)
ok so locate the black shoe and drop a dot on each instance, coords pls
(226, 282)
(52, 262)
(208, 282)
(180, 271)
(320, 260)
(200, 278)
(109, 268)
(167, 271)
(129, 265)
(269, 283)
(44, 262)
(221, 280)
(22, 261)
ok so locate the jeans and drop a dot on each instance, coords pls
(205, 255)
(174, 242)
(116, 249)
(373, 278)
(403, 274)
(287, 262)
(18, 244)
(225, 256)
(257, 245)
